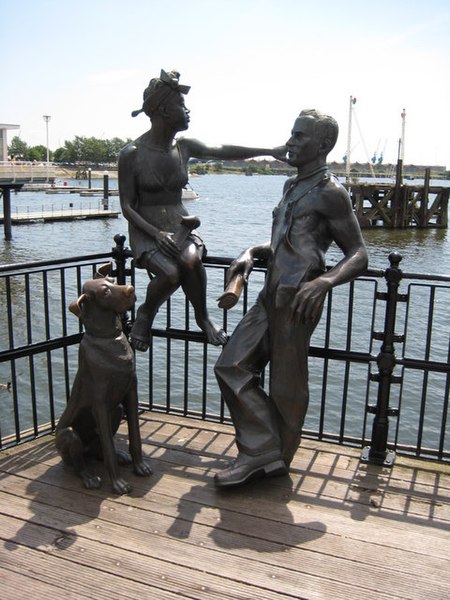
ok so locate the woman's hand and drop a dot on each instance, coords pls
(280, 153)
(166, 244)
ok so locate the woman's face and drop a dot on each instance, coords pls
(175, 110)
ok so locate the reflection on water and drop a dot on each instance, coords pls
(423, 250)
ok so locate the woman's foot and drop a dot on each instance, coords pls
(140, 335)
(215, 335)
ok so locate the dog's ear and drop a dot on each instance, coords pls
(76, 306)
(103, 271)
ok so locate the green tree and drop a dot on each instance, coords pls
(38, 153)
(59, 155)
(113, 147)
(90, 150)
(18, 148)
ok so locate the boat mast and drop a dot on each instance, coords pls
(402, 139)
(349, 139)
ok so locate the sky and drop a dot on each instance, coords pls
(252, 65)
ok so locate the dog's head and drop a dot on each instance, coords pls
(104, 294)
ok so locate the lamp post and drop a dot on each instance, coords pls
(349, 139)
(47, 119)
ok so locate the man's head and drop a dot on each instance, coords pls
(313, 136)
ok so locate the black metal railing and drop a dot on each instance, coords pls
(379, 359)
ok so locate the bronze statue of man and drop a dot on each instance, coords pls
(315, 211)
(152, 173)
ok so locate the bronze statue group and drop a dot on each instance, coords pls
(314, 211)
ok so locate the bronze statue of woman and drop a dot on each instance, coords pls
(153, 171)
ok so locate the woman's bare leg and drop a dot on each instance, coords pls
(193, 282)
(160, 288)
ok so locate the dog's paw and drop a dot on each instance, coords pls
(91, 482)
(142, 468)
(120, 486)
(123, 457)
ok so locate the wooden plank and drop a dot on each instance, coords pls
(264, 528)
(273, 496)
(74, 578)
(381, 533)
(15, 584)
(176, 518)
(159, 576)
(241, 564)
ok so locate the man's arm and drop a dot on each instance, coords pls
(345, 231)
(243, 264)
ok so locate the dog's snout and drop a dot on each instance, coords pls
(130, 290)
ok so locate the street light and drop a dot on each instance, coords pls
(47, 119)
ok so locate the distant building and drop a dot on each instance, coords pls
(4, 141)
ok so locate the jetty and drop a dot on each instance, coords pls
(69, 214)
(19, 175)
(400, 205)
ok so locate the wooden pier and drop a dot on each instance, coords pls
(17, 176)
(69, 214)
(400, 205)
(334, 528)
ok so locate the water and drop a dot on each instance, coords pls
(236, 212)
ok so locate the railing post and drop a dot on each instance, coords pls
(105, 190)
(7, 221)
(120, 255)
(378, 453)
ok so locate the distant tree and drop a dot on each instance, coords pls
(18, 148)
(251, 168)
(59, 155)
(73, 150)
(38, 153)
(198, 168)
(90, 150)
(80, 149)
(113, 147)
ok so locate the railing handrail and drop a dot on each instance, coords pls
(211, 260)
(17, 268)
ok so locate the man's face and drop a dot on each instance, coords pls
(304, 144)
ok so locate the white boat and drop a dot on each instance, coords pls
(189, 194)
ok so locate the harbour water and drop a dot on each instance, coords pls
(236, 212)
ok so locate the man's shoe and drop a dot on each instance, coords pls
(246, 468)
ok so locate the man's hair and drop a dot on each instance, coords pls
(327, 127)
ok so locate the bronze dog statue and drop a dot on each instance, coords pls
(105, 386)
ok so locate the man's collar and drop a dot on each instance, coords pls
(321, 169)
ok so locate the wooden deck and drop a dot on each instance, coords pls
(334, 528)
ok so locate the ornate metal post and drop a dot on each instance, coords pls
(378, 453)
(120, 255)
